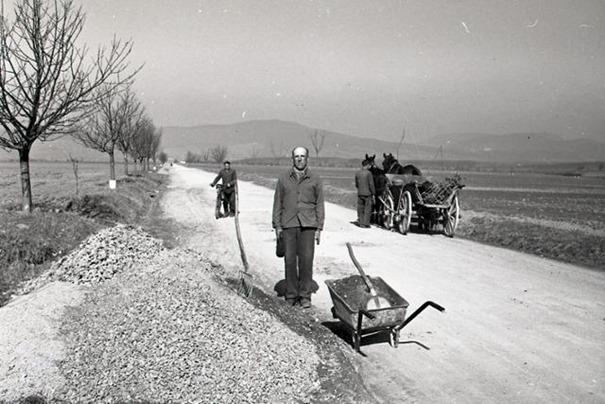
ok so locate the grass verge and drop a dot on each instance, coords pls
(30, 242)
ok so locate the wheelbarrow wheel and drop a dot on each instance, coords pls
(394, 338)
(355, 340)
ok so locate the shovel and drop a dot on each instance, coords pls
(376, 302)
(245, 286)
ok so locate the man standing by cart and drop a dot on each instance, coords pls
(229, 178)
(298, 217)
(364, 182)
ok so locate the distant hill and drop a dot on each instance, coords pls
(518, 147)
(59, 150)
(275, 138)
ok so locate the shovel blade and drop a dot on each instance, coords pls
(378, 302)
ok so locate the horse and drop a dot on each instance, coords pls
(392, 166)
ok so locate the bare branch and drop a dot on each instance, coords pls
(317, 140)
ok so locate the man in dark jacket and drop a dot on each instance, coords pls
(364, 182)
(229, 178)
(298, 217)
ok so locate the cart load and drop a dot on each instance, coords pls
(438, 193)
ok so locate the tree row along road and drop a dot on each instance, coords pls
(516, 328)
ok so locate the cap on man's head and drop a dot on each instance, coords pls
(295, 150)
(226, 162)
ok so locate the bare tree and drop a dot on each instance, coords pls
(156, 139)
(46, 85)
(317, 140)
(131, 116)
(205, 155)
(219, 153)
(146, 143)
(400, 142)
(111, 121)
(163, 157)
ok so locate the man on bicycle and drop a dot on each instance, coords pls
(229, 178)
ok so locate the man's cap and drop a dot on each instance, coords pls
(226, 162)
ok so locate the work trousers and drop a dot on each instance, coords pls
(300, 247)
(364, 209)
(229, 202)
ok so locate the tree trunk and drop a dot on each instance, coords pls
(112, 166)
(125, 165)
(26, 187)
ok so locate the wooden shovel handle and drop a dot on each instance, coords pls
(240, 242)
(360, 269)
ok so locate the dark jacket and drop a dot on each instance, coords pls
(364, 182)
(298, 203)
(229, 178)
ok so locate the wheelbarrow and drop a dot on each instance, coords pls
(350, 298)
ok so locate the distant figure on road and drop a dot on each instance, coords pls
(298, 217)
(364, 182)
(229, 178)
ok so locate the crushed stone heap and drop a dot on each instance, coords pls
(167, 332)
(101, 256)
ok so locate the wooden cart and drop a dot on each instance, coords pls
(408, 198)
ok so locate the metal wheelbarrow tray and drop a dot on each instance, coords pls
(350, 298)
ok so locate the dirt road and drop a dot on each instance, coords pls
(517, 328)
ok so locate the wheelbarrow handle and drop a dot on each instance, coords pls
(418, 311)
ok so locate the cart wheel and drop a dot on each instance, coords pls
(451, 217)
(389, 216)
(356, 340)
(405, 213)
(394, 338)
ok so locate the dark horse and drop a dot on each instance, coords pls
(392, 166)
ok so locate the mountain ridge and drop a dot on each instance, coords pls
(275, 138)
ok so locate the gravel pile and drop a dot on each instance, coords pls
(100, 257)
(168, 332)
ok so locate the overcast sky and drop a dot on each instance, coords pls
(368, 68)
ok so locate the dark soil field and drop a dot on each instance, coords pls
(555, 216)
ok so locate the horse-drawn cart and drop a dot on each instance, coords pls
(411, 197)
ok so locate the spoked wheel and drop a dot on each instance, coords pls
(451, 217)
(389, 215)
(219, 201)
(404, 213)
